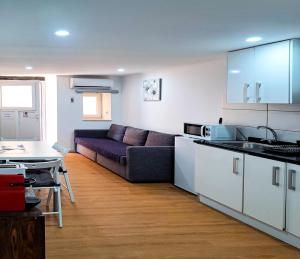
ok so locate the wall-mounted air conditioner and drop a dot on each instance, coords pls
(81, 85)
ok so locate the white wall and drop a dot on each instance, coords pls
(50, 106)
(190, 93)
(70, 114)
(197, 93)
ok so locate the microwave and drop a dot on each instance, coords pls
(210, 131)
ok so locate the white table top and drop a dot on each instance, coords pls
(33, 150)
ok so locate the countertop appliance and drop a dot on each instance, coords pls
(210, 131)
(185, 163)
(12, 192)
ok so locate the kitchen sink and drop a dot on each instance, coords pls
(244, 145)
(279, 147)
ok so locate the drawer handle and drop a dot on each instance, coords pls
(235, 165)
(292, 180)
(275, 176)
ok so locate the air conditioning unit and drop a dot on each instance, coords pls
(81, 85)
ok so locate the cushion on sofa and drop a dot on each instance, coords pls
(116, 132)
(135, 137)
(159, 139)
(108, 148)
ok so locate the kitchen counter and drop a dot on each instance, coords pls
(251, 151)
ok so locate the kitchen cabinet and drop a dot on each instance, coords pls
(293, 200)
(240, 76)
(264, 190)
(185, 163)
(265, 74)
(219, 175)
(272, 73)
(263, 193)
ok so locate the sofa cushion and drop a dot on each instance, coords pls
(135, 137)
(159, 139)
(108, 148)
(116, 132)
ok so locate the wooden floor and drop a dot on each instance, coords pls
(113, 218)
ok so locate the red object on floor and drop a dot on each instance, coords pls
(12, 192)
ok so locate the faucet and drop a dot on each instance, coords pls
(275, 136)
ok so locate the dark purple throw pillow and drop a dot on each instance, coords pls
(135, 137)
(160, 139)
(116, 132)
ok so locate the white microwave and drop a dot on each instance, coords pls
(210, 132)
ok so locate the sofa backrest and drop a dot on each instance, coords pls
(135, 137)
(160, 139)
(116, 132)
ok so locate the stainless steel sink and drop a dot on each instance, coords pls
(244, 145)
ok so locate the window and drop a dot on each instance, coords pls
(17, 96)
(96, 106)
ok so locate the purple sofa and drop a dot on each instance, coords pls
(135, 154)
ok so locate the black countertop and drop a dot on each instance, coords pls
(255, 151)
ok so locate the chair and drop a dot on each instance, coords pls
(63, 171)
(46, 175)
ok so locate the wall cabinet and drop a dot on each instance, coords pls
(265, 74)
(219, 175)
(240, 76)
(293, 200)
(264, 190)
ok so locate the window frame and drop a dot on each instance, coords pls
(98, 116)
(13, 83)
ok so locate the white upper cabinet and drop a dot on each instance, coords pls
(272, 73)
(240, 76)
(265, 74)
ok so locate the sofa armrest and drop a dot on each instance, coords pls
(90, 133)
(150, 164)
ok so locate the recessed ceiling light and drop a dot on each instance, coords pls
(234, 71)
(121, 70)
(254, 39)
(62, 33)
(28, 67)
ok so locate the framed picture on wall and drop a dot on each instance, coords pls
(152, 89)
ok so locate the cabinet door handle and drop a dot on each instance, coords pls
(275, 176)
(235, 169)
(292, 180)
(245, 92)
(257, 88)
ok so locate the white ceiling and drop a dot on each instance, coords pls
(139, 35)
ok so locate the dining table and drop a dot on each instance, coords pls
(27, 150)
